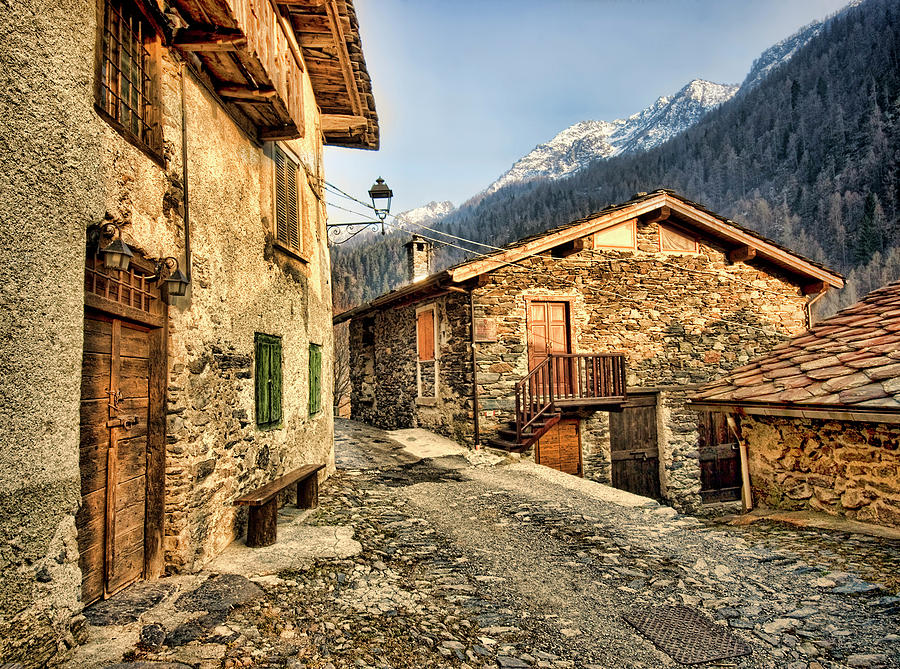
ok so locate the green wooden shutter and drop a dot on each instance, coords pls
(275, 375)
(268, 380)
(315, 378)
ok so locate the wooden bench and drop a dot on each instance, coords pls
(262, 525)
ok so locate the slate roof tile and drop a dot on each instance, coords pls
(852, 358)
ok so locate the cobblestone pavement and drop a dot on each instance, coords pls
(476, 566)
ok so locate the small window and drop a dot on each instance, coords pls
(268, 381)
(425, 334)
(619, 236)
(677, 240)
(125, 91)
(315, 379)
(289, 205)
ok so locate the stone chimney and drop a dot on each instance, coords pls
(418, 258)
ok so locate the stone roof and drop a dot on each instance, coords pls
(851, 360)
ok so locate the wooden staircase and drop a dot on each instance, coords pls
(562, 381)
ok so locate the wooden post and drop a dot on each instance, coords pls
(262, 525)
(746, 495)
(308, 492)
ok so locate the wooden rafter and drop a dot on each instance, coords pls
(334, 18)
(246, 93)
(343, 123)
(742, 254)
(191, 39)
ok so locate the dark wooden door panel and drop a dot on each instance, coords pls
(634, 446)
(720, 465)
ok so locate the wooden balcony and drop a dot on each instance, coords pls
(563, 382)
(252, 54)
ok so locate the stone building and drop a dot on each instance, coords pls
(819, 415)
(190, 131)
(656, 294)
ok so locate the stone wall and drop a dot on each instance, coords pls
(385, 372)
(680, 319)
(839, 467)
(72, 169)
(48, 193)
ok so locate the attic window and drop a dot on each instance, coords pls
(621, 236)
(676, 240)
(125, 92)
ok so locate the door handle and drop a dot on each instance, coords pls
(125, 423)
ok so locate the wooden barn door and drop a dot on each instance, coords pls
(634, 446)
(560, 447)
(720, 464)
(115, 396)
(549, 332)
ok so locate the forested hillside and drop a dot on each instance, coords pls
(808, 157)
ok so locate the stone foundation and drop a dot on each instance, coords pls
(843, 468)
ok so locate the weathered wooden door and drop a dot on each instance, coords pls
(720, 464)
(549, 332)
(560, 447)
(634, 446)
(115, 395)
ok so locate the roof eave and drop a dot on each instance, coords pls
(429, 284)
(843, 412)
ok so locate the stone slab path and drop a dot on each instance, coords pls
(469, 562)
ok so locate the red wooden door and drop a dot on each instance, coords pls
(115, 395)
(560, 447)
(548, 332)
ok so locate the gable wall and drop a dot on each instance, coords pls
(670, 322)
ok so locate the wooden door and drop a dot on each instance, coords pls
(115, 397)
(549, 332)
(720, 463)
(560, 447)
(634, 446)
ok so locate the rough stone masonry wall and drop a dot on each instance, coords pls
(679, 321)
(48, 193)
(241, 285)
(383, 369)
(840, 467)
(71, 169)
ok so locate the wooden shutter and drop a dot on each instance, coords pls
(287, 204)
(425, 334)
(315, 378)
(268, 380)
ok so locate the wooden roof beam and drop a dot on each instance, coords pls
(815, 288)
(742, 254)
(245, 93)
(343, 123)
(191, 39)
(334, 18)
(660, 214)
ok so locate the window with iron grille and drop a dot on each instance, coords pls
(125, 89)
(288, 203)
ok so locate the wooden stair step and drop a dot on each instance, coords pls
(504, 445)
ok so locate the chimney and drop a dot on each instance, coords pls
(418, 258)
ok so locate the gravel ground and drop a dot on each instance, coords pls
(494, 566)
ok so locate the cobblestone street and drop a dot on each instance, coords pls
(480, 565)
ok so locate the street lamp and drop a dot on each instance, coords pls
(378, 192)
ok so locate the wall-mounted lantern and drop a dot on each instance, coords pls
(381, 192)
(116, 255)
(176, 281)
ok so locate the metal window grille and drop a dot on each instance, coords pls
(125, 78)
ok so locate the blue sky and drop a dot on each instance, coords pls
(464, 88)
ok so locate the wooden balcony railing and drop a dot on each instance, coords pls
(568, 379)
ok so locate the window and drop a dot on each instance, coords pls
(425, 334)
(677, 240)
(289, 205)
(268, 381)
(619, 236)
(125, 91)
(315, 379)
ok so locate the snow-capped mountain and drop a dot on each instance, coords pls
(578, 145)
(427, 214)
(779, 53)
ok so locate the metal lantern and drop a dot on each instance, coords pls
(177, 282)
(380, 192)
(116, 255)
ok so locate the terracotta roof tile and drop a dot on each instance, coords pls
(852, 358)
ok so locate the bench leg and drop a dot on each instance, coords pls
(308, 493)
(262, 524)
